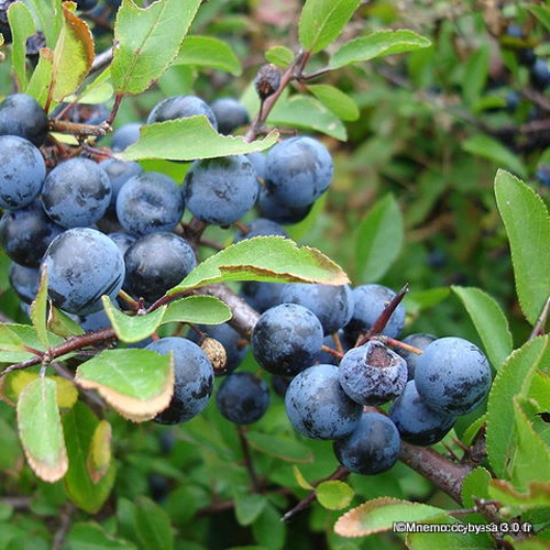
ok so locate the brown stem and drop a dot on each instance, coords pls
(73, 344)
(339, 473)
(293, 69)
(335, 353)
(443, 473)
(244, 317)
(380, 323)
(538, 329)
(78, 129)
(114, 110)
(396, 344)
(256, 485)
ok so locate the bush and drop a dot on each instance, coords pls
(424, 175)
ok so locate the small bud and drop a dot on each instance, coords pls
(267, 80)
(216, 353)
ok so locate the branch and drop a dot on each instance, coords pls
(443, 473)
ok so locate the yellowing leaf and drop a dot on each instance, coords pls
(72, 57)
(380, 514)
(14, 383)
(40, 429)
(265, 259)
(137, 383)
(99, 457)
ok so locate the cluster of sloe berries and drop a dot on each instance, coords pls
(370, 392)
(315, 340)
(55, 217)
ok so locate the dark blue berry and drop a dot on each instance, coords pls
(119, 172)
(280, 211)
(318, 407)
(416, 422)
(149, 202)
(419, 341)
(298, 171)
(181, 106)
(372, 448)
(372, 374)
(220, 191)
(125, 135)
(287, 339)
(261, 227)
(230, 114)
(21, 115)
(333, 305)
(83, 265)
(76, 193)
(22, 172)
(26, 233)
(243, 398)
(453, 376)
(193, 379)
(157, 262)
(369, 301)
(24, 281)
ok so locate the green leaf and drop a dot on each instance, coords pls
(41, 77)
(10, 450)
(22, 25)
(280, 56)
(476, 73)
(91, 536)
(490, 322)
(207, 51)
(61, 324)
(268, 529)
(380, 514)
(334, 495)
(475, 486)
(99, 90)
(48, 16)
(72, 57)
(486, 147)
(248, 506)
(463, 539)
(137, 383)
(527, 225)
(280, 447)
(301, 480)
(377, 44)
(199, 310)
(537, 494)
(322, 21)
(531, 460)
(99, 457)
(514, 378)
(40, 429)
(337, 101)
(88, 493)
(147, 41)
(132, 328)
(39, 310)
(189, 139)
(378, 240)
(542, 13)
(274, 259)
(417, 301)
(299, 111)
(15, 340)
(152, 524)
